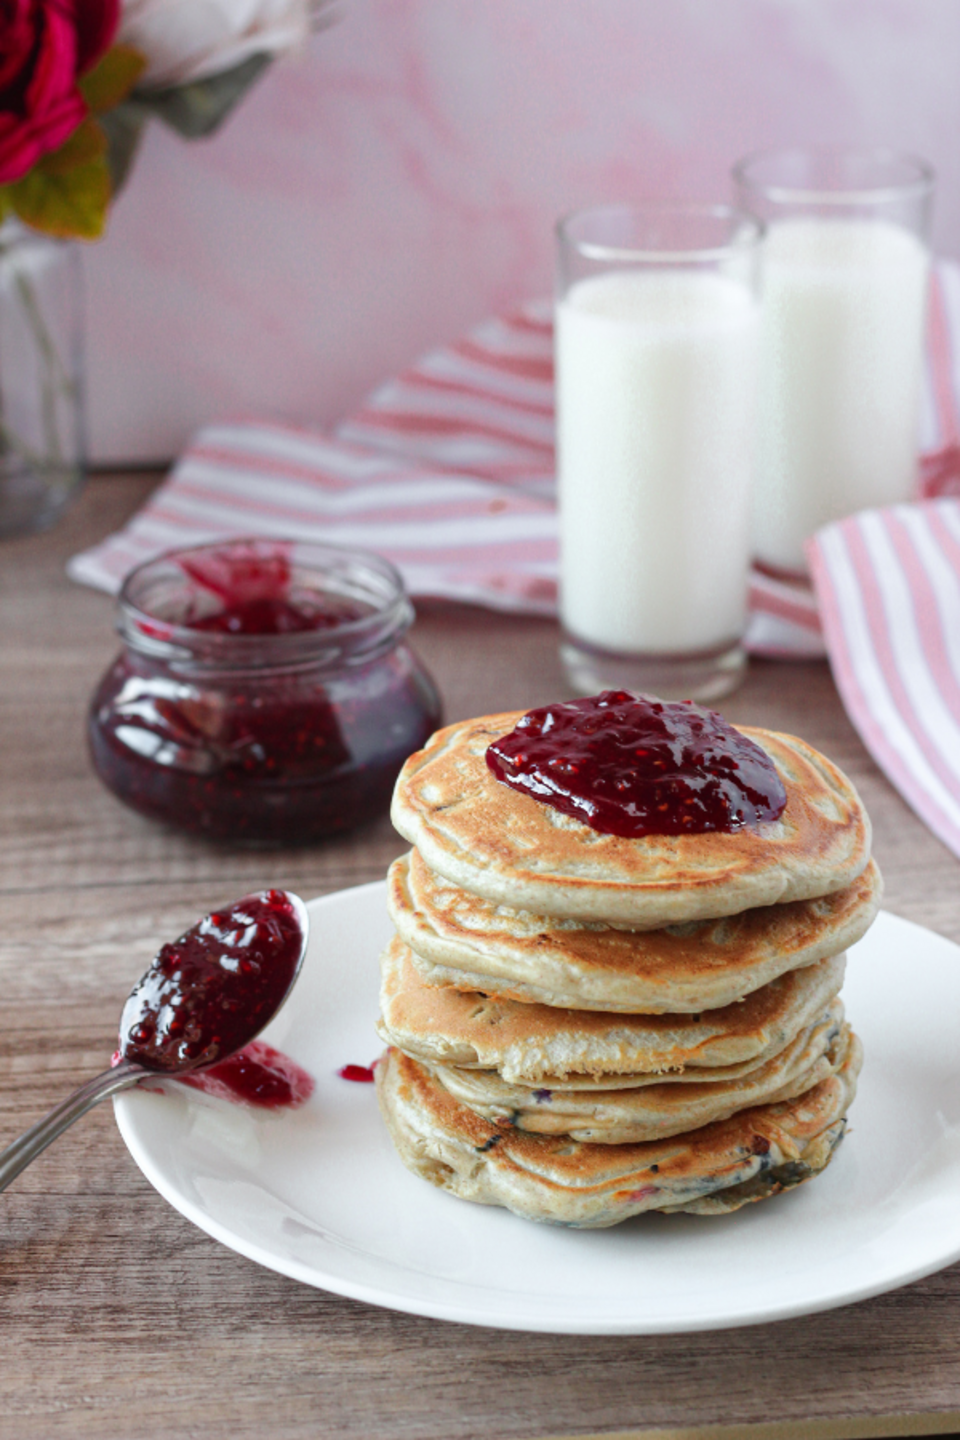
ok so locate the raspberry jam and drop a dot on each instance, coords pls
(627, 765)
(257, 1075)
(362, 1074)
(265, 694)
(208, 993)
(271, 616)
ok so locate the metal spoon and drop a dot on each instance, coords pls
(204, 997)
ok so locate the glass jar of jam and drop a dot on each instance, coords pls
(265, 694)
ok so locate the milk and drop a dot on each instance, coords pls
(841, 352)
(656, 374)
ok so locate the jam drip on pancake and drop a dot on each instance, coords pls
(635, 766)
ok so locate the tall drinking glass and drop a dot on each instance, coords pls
(657, 324)
(845, 265)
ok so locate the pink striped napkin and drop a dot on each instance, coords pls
(448, 471)
(462, 537)
(888, 583)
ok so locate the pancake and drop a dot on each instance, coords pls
(541, 1045)
(512, 850)
(817, 1155)
(459, 939)
(652, 1112)
(750, 1156)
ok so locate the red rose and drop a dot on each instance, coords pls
(44, 46)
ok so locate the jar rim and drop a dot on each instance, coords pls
(348, 572)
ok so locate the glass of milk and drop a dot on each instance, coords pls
(657, 329)
(845, 265)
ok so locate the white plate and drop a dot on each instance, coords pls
(319, 1194)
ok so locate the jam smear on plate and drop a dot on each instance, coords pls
(203, 994)
(258, 1075)
(630, 765)
(363, 1074)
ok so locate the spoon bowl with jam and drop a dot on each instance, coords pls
(204, 998)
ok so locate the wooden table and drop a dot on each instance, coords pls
(118, 1318)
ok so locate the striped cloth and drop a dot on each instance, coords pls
(448, 471)
(888, 589)
(463, 537)
(888, 583)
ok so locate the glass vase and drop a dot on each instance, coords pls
(41, 378)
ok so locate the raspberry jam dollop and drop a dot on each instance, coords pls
(207, 994)
(256, 590)
(628, 765)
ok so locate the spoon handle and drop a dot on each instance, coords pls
(18, 1156)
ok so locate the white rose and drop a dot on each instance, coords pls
(186, 40)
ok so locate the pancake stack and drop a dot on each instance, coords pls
(583, 1027)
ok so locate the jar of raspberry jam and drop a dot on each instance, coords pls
(265, 694)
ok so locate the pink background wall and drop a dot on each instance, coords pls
(399, 181)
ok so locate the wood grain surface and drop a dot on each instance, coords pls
(118, 1318)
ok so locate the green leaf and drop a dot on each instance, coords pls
(71, 204)
(196, 110)
(123, 128)
(112, 78)
(87, 143)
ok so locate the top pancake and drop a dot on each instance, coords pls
(513, 850)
